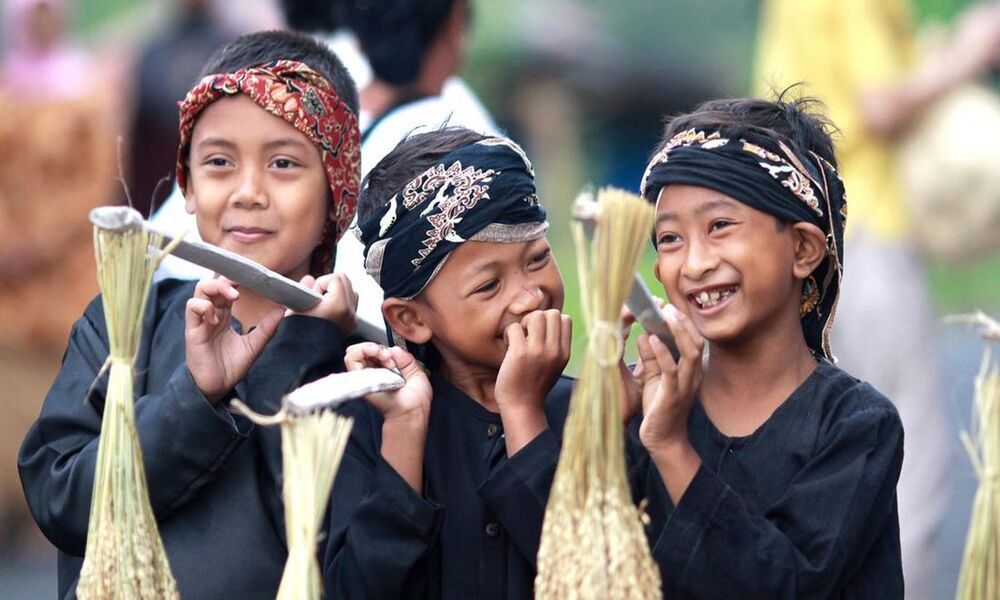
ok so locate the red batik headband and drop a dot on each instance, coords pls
(302, 97)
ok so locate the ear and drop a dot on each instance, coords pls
(810, 248)
(656, 271)
(407, 318)
(189, 201)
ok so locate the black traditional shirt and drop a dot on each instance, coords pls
(472, 534)
(805, 507)
(214, 478)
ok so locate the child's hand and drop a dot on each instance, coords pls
(631, 389)
(413, 400)
(669, 387)
(216, 355)
(537, 352)
(339, 303)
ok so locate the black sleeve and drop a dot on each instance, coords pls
(380, 530)
(806, 545)
(517, 491)
(184, 440)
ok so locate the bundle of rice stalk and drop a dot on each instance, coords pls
(124, 554)
(980, 575)
(313, 440)
(593, 544)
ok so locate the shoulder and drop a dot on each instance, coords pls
(561, 391)
(844, 399)
(170, 291)
(162, 295)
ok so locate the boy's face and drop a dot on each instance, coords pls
(481, 289)
(257, 186)
(726, 265)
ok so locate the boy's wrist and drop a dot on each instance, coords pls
(411, 421)
(677, 462)
(521, 425)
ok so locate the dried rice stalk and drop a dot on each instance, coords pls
(124, 555)
(312, 446)
(980, 576)
(593, 544)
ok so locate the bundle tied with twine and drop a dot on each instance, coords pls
(124, 553)
(980, 575)
(593, 544)
(312, 446)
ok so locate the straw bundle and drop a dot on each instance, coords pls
(980, 576)
(124, 554)
(312, 446)
(593, 544)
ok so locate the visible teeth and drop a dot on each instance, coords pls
(708, 299)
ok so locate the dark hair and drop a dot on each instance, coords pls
(411, 157)
(801, 120)
(395, 34)
(264, 46)
(314, 15)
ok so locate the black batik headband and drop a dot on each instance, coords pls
(773, 177)
(481, 192)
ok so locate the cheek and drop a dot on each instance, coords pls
(554, 285)
(667, 269)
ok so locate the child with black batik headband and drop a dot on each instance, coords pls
(774, 471)
(443, 488)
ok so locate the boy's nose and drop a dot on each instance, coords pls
(250, 193)
(699, 260)
(529, 298)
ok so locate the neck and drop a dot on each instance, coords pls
(251, 308)
(377, 97)
(746, 380)
(478, 383)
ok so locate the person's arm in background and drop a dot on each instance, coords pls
(972, 48)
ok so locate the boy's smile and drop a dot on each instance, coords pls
(257, 186)
(723, 263)
(482, 289)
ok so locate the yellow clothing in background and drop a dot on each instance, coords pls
(839, 48)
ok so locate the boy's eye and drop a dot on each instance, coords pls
(487, 287)
(217, 161)
(668, 238)
(284, 163)
(541, 257)
(720, 224)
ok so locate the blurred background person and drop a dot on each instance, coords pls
(858, 57)
(168, 67)
(56, 139)
(40, 59)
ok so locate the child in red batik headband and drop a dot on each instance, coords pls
(269, 164)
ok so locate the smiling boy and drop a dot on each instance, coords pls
(269, 165)
(443, 487)
(774, 471)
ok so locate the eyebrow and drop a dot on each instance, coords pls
(703, 208)
(279, 143)
(214, 141)
(285, 142)
(486, 266)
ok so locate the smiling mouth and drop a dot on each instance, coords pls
(249, 234)
(706, 299)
